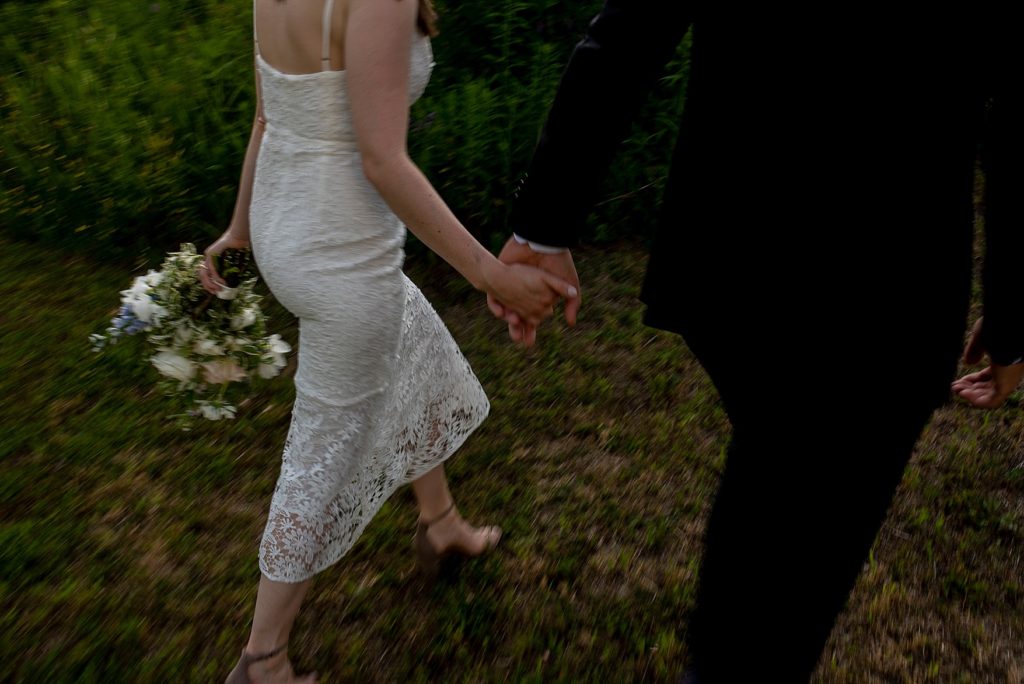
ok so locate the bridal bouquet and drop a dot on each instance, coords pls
(202, 345)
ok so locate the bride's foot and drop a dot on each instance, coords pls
(450, 534)
(267, 668)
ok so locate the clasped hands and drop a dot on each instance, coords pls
(520, 329)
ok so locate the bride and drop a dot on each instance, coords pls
(383, 394)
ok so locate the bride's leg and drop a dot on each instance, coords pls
(446, 529)
(277, 605)
(432, 493)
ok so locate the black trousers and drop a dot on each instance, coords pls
(815, 458)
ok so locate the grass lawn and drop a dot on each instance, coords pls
(128, 548)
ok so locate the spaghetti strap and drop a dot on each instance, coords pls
(325, 51)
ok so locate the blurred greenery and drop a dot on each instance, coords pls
(124, 124)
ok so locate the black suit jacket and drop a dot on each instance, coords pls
(822, 179)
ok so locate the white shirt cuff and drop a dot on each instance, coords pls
(539, 248)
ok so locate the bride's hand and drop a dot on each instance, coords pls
(528, 291)
(211, 280)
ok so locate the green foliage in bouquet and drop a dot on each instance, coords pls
(203, 345)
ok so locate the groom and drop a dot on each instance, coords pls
(815, 252)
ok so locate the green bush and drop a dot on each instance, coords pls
(124, 124)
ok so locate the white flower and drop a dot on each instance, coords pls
(153, 278)
(207, 347)
(243, 319)
(209, 412)
(227, 292)
(214, 412)
(268, 369)
(173, 366)
(142, 307)
(221, 371)
(274, 360)
(277, 345)
(238, 343)
(139, 288)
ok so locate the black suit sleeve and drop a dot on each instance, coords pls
(609, 75)
(1003, 160)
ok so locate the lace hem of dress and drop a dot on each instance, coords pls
(340, 465)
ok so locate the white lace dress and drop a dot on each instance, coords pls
(383, 394)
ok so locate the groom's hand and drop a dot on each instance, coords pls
(988, 388)
(560, 264)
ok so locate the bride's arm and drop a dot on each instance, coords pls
(237, 234)
(378, 44)
(239, 226)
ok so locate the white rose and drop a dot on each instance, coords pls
(221, 371)
(243, 319)
(227, 292)
(207, 347)
(174, 366)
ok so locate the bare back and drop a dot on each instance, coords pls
(290, 34)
